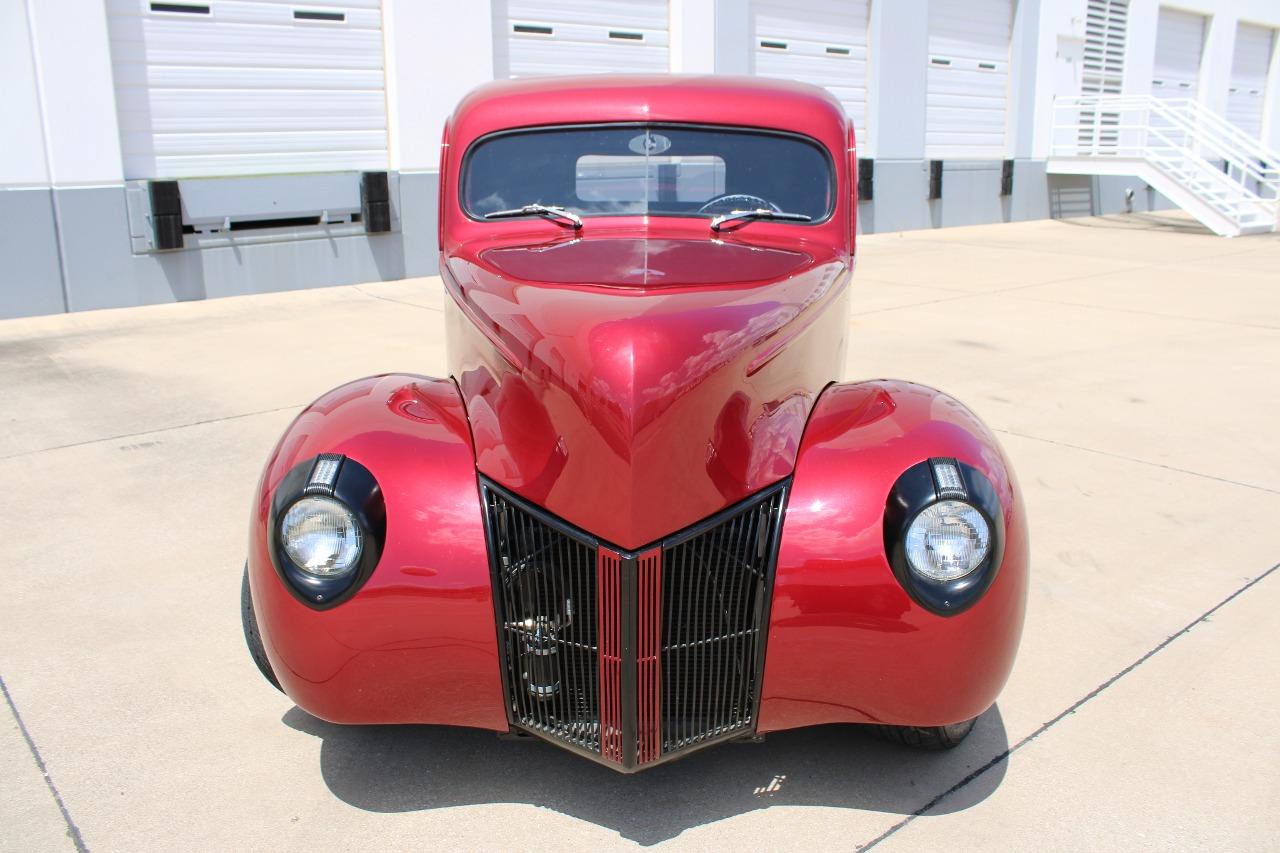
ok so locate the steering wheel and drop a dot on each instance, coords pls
(737, 201)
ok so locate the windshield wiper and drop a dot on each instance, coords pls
(758, 213)
(550, 211)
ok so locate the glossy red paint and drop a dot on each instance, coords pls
(846, 643)
(645, 373)
(417, 644)
(634, 379)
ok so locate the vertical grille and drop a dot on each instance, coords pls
(545, 595)
(632, 657)
(610, 571)
(648, 656)
(714, 585)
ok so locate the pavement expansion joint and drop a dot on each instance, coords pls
(1075, 706)
(1136, 461)
(73, 831)
(157, 431)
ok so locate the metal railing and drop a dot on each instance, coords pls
(1221, 165)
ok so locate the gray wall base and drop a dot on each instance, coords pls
(101, 271)
(30, 274)
(971, 195)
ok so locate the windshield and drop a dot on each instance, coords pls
(657, 170)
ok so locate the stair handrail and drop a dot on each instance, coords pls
(1229, 139)
(1209, 132)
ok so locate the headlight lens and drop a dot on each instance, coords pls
(321, 537)
(947, 540)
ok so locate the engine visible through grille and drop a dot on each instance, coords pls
(545, 592)
(632, 657)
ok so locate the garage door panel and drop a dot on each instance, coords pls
(822, 42)
(247, 77)
(266, 163)
(966, 107)
(584, 58)
(804, 19)
(235, 44)
(256, 12)
(1250, 64)
(965, 120)
(581, 37)
(1179, 45)
(643, 14)
(847, 72)
(223, 144)
(248, 80)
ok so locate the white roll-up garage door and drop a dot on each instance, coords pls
(1247, 98)
(1179, 44)
(968, 82)
(823, 42)
(539, 37)
(248, 87)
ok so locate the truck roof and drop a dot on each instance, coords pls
(680, 98)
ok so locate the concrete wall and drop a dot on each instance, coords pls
(65, 244)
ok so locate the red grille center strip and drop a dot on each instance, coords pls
(609, 582)
(649, 656)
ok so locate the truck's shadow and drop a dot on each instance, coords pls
(410, 768)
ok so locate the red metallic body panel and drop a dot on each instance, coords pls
(632, 415)
(634, 379)
(417, 644)
(645, 373)
(846, 643)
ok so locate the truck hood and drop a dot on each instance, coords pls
(634, 386)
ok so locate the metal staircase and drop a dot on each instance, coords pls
(1195, 158)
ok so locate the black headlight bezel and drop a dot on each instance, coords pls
(915, 490)
(355, 487)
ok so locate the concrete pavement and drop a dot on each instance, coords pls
(1128, 364)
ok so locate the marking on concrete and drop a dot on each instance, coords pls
(1004, 756)
(73, 831)
(1124, 458)
(397, 301)
(156, 431)
(1140, 312)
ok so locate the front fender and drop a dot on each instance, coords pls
(416, 643)
(846, 642)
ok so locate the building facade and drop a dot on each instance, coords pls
(162, 151)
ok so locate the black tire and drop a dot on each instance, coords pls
(927, 737)
(251, 636)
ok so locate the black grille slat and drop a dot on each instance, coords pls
(715, 587)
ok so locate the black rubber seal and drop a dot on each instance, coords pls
(912, 493)
(356, 487)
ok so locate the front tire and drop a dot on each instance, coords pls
(934, 738)
(249, 622)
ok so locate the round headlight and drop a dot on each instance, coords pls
(947, 540)
(321, 536)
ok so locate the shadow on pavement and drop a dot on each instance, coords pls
(412, 768)
(1141, 222)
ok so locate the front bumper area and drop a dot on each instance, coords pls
(655, 654)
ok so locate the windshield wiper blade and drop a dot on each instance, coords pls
(550, 211)
(758, 213)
